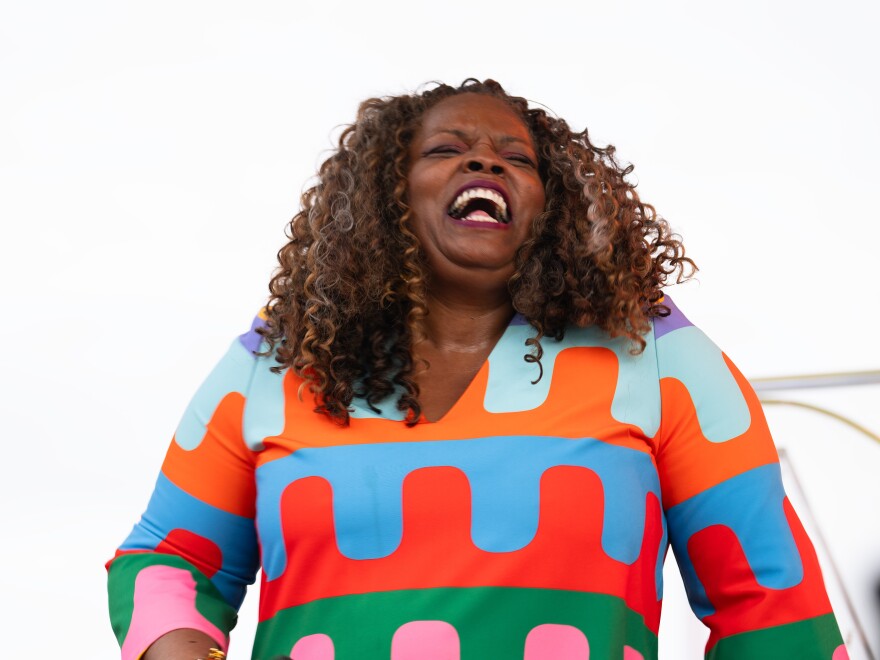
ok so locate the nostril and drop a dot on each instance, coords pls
(497, 169)
(475, 166)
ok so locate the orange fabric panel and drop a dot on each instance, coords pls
(689, 463)
(220, 470)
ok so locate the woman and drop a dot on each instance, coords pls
(466, 423)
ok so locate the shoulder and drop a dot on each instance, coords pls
(675, 320)
(252, 340)
(242, 382)
(679, 342)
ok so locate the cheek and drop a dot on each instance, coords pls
(536, 203)
(422, 226)
(540, 199)
(417, 199)
(423, 211)
(534, 194)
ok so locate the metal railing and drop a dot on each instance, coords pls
(817, 381)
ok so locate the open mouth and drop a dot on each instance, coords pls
(479, 204)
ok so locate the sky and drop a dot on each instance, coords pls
(152, 153)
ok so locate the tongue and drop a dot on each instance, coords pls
(479, 216)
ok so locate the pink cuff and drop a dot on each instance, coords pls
(164, 600)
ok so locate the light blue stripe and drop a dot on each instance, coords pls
(689, 356)
(172, 508)
(231, 374)
(636, 398)
(360, 410)
(264, 410)
(241, 372)
(504, 474)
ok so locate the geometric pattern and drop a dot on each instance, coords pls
(530, 522)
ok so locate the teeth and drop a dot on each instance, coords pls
(482, 193)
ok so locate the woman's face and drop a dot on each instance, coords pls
(474, 189)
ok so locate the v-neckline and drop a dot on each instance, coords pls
(466, 393)
(360, 409)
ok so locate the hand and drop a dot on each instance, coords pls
(182, 644)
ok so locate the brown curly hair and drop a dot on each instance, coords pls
(349, 295)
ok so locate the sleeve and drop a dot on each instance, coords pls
(189, 560)
(750, 571)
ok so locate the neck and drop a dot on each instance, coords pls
(456, 323)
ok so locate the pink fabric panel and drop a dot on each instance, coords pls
(553, 640)
(425, 640)
(164, 600)
(313, 647)
(629, 653)
(840, 653)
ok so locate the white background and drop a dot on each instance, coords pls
(151, 154)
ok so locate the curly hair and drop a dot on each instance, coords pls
(349, 296)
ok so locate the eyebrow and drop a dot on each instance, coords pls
(503, 140)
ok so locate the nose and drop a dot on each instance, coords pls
(475, 165)
(484, 159)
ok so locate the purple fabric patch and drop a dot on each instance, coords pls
(675, 320)
(251, 340)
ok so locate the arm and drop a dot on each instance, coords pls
(187, 563)
(750, 571)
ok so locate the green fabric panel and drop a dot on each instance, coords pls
(812, 639)
(492, 622)
(120, 588)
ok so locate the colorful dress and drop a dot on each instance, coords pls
(531, 521)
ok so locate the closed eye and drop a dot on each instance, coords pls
(520, 158)
(443, 150)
